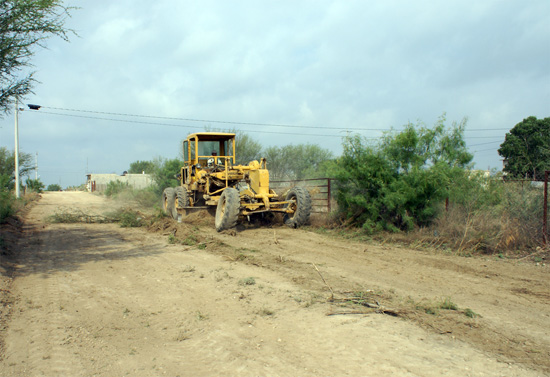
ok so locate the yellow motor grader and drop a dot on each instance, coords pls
(210, 177)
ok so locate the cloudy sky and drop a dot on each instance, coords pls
(320, 68)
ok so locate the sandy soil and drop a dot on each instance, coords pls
(100, 300)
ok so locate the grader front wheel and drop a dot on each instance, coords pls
(301, 207)
(227, 212)
(169, 202)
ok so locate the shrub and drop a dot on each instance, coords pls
(492, 216)
(53, 187)
(6, 206)
(35, 185)
(115, 187)
(399, 183)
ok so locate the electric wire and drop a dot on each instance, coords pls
(241, 123)
(256, 124)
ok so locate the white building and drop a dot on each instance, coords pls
(99, 182)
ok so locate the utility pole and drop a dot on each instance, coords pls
(36, 167)
(17, 184)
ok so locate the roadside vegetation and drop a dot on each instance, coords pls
(9, 205)
(415, 186)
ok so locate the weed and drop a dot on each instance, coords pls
(7, 208)
(470, 313)
(130, 219)
(447, 304)
(247, 281)
(172, 239)
(190, 240)
(68, 218)
(115, 187)
(241, 257)
(202, 316)
(246, 250)
(431, 310)
(182, 335)
(158, 214)
(266, 312)
(201, 246)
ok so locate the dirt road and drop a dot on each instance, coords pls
(100, 300)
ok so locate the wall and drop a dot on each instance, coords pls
(98, 182)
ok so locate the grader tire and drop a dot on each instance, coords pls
(169, 202)
(302, 207)
(227, 212)
(182, 198)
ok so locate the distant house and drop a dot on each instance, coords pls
(99, 182)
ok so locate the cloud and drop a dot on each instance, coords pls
(371, 64)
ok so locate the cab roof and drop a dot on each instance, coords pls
(212, 136)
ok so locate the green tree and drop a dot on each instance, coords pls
(138, 167)
(246, 148)
(400, 182)
(526, 149)
(34, 185)
(165, 173)
(53, 187)
(295, 162)
(7, 167)
(25, 25)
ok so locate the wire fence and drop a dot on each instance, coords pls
(321, 190)
(538, 186)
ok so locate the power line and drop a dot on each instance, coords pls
(217, 121)
(485, 150)
(490, 142)
(258, 131)
(176, 125)
(241, 123)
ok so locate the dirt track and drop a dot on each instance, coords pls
(100, 300)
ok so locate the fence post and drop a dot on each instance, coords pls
(329, 195)
(545, 211)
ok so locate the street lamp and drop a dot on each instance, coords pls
(17, 109)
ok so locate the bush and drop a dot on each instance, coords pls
(53, 187)
(492, 216)
(115, 187)
(7, 208)
(35, 185)
(399, 183)
(144, 198)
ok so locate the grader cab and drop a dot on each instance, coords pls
(210, 177)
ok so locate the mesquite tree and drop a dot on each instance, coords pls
(25, 25)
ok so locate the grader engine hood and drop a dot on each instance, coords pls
(258, 180)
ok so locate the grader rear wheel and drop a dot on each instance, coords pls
(182, 198)
(169, 202)
(227, 212)
(301, 207)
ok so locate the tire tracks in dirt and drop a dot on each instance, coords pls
(41, 309)
(125, 302)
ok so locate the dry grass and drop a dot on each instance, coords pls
(504, 219)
